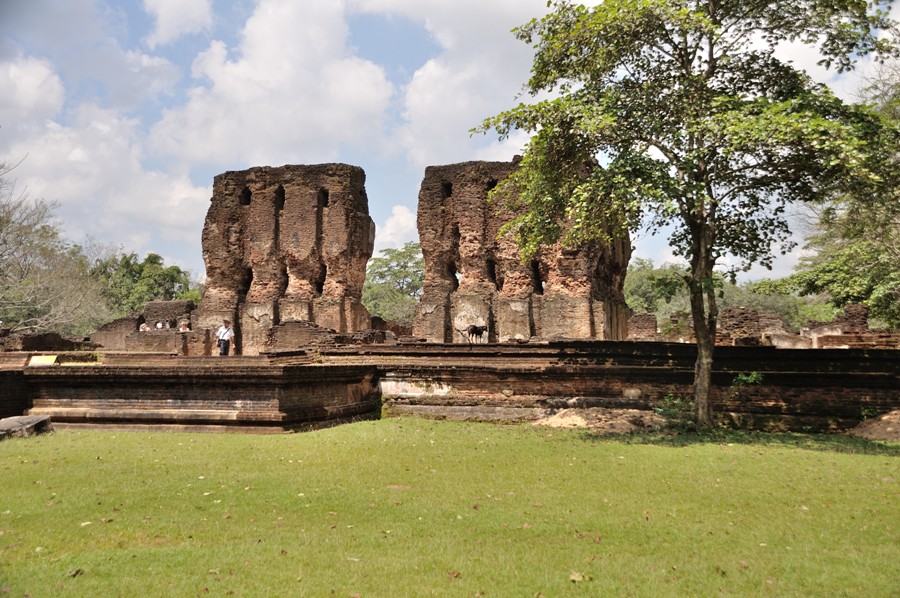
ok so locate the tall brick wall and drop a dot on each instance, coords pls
(286, 244)
(472, 277)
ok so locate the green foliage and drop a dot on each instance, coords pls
(128, 283)
(409, 508)
(394, 283)
(747, 378)
(678, 412)
(679, 113)
(742, 381)
(45, 282)
(856, 243)
(660, 290)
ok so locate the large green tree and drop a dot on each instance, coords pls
(128, 283)
(679, 113)
(855, 247)
(660, 290)
(394, 283)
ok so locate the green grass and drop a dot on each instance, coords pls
(406, 507)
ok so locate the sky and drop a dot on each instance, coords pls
(122, 112)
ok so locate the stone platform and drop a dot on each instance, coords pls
(802, 390)
(235, 393)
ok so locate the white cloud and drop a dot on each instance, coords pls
(32, 91)
(175, 18)
(479, 74)
(82, 99)
(92, 170)
(290, 92)
(399, 229)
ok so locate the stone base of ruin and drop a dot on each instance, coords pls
(433, 319)
(343, 314)
(240, 393)
(801, 390)
(514, 318)
(256, 321)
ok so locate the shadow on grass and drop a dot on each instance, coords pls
(838, 443)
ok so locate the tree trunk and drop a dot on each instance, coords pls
(705, 314)
(703, 380)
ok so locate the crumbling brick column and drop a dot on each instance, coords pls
(286, 244)
(475, 277)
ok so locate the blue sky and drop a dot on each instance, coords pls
(125, 111)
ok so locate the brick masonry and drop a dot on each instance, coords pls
(474, 276)
(800, 389)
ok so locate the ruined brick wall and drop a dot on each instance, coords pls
(111, 336)
(474, 278)
(738, 326)
(642, 327)
(168, 313)
(286, 244)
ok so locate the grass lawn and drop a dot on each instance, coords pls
(408, 507)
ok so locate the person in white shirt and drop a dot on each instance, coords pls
(224, 334)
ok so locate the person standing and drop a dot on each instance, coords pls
(224, 334)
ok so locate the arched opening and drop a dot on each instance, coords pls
(491, 184)
(279, 198)
(322, 200)
(245, 196)
(446, 189)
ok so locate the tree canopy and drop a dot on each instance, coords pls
(680, 113)
(48, 283)
(129, 283)
(44, 280)
(856, 242)
(394, 283)
(660, 290)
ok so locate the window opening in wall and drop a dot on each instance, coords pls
(246, 281)
(245, 196)
(453, 275)
(320, 281)
(321, 204)
(492, 274)
(536, 281)
(491, 184)
(446, 189)
(279, 198)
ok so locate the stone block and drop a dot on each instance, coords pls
(514, 321)
(470, 310)
(565, 317)
(256, 321)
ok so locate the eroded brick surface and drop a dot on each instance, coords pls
(286, 244)
(474, 278)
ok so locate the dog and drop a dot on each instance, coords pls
(475, 332)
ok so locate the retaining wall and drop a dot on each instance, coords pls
(789, 389)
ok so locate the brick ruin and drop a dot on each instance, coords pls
(472, 277)
(286, 244)
(286, 249)
(742, 326)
